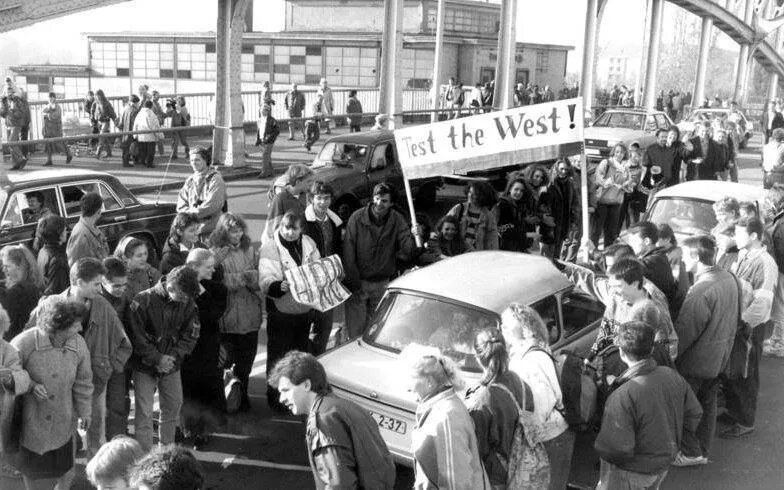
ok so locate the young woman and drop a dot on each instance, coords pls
(23, 286)
(443, 439)
(539, 180)
(516, 217)
(183, 237)
(52, 261)
(240, 323)
(447, 242)
(478, 223)
(103, 113)
(613, 181)
(141, 275)
(288, 322)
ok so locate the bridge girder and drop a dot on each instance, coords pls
(15, 14)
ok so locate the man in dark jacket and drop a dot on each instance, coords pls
(564, 207)
(376, 235)
(708, 154)
(294, 103)
(665, 157)
(126, 124)
(645, 417)
(345, 449)
(643, 237)
(164, 329)
(268, 132)
(706, 329)
(771, 119)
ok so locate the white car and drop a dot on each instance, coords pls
(623, 125)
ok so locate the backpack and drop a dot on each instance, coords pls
(527, 466)
(578, 389)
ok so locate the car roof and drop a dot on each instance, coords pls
(636, 110)
(712, 190)
(365, 137)
(490, 279)
(50, 176)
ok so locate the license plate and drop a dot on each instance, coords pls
(592, 151)
(389, 423)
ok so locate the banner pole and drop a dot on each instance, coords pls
(584, 199)
(410, 200)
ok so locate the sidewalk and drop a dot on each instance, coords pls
(143, 180)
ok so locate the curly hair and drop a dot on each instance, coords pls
(56, 313)
(168, 468)
(486, 197)
(178, 226)
(227, 221)
(525, 323)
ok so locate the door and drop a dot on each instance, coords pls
(113, 215)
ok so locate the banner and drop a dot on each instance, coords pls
(317, 284)
(497, 139)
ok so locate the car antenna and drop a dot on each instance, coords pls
(163, 179)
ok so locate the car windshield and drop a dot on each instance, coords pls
(628, 120)
(341, 153)
(404, 318)
(684, 215)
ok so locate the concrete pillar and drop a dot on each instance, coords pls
(702, 62)
(657, 14)
(228, 137)
(505, 66)
(773, 84)
(438, 61)
(645, 41)
(390, 90)
(589, 52)
(743, 67)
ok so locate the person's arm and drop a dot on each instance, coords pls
(406, 245)
(120, 343)
(20, 377)
(189, 331)
(589, 281)
(692, 319)
(758, 311)
(143, 347)
(183, 205)
(616, 441)
(83, 384)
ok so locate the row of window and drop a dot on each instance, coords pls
(465, 21)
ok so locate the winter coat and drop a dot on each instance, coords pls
(345, 448)
(712, 162)
(449, 248)
(9, 359)
(443, 441)
(53, 264)
(645, 417)
(354, 106)
(485, 233)
(161, 326)
(294, 103)
(105, 337)
(127, 120)
(65, 373)
(370, 251)
(313, 229)
(270, 130)
(142, 278)
(564, 206)
(512, 226)
(146, 120)
(103, 112)
(327, 101)
(274, 260)
(211, 303)
(86, 241)
(175, 255)
(203, 194)
(12, 109)
(657, 270)
(707, 324)
(758, 270)
(53, 121)
(19, 300)
(241, 278)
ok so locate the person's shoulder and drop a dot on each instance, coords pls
(25, 340)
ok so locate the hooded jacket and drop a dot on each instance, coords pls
(274, 261)
(241, 278)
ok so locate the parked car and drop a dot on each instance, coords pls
(123, 214)
(444, 305)
(688, 207)
(744, 127)
(623, 125)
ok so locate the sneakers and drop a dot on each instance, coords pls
(736, 432)
(681, 460)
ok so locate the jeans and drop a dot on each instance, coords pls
(777, 313)
(571, 244)
(361, 306)
(322, 329)
(240, 350)
(266, 159)
(606, 218)
(118, 404)
(740, 394)
(699, 442)
(96, 433)
(612, 477)
(146, 153)
(284, 333)
(103, 142)
(169, 388)
(559, 451)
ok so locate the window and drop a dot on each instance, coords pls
(487, 74)
(521, 75)
(13, 213)
(542, 61)
(352, 66)
(194, 62)
(20, 212)
(110, 59)
(548, 310)
(72, 195)
(153, 60)
(417, 64)
(580, 311)
(383, 157)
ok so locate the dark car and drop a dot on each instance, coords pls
(123, 214)
(354, 163)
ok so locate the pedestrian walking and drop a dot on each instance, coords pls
(164, 329)
(111, 465)
(294, 103)
(23, 285)
(203, 194)
(645, 417)
(53, 128)
(478, 220)
(772, 119)
(104, 114)
(266, 135)
(345, 448)
(52, 261)
(86, 239)
(146, 120)
(183, 237)
(240, 324)
(265, 96)
(612, 180)
(312, 132)
(87, 107)
(324, 93)
(134, 252)
(179, 118)
(128, 143)
(444, 445)
(354, 106)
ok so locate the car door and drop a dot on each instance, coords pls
(113, 214)
(383, 167)
(17, 225)
(581, 315)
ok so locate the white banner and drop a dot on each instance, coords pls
(496, 139)
(317, 284)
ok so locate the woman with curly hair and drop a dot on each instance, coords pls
(478, 222)
(183, 237)
(516, 215)
(53, 404)
(23, 286)
(240, 324)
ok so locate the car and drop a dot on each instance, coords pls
(744, 127)
(688, 207)
(623, 125)
(444, 305)
(123, 214)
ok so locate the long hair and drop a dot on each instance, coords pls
(180, 222)
(490, 351)
(428, 362)
(486, 196)
(526, 324)
(22, 257)
(227, 221)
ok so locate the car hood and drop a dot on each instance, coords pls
(331, 172)
(611, 134)
(368, 372)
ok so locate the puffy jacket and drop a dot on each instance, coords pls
(274, 260)
(203, 194)
(241, 278)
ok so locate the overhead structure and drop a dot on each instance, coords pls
(15, 14)
(505, 64)
(390, 93)
(654, 38)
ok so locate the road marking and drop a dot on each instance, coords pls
(226, 460)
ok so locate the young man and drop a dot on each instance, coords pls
(666, 158)
(104, 335)
(164, 329)
(345, 448)
(644, 417)
(86, 240)
(643, 237)
(267, 134)
(294, 103)
(706, 328)
(376, 237)
(126, 123)
(755, 267)
(168, 468)
(114, 285)
(53, 128)
(706, 155)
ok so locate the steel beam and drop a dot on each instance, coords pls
(645, 33)
(744, 60)
(15, 14)
(438, 61)
(702, 61)
(505, 64)
(657, 13)
(589, 52)
(390, 93)
(228, 138)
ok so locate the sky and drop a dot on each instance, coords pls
(62, 40)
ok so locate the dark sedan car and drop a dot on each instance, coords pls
(123, 214)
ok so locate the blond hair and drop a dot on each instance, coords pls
(429, 363)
